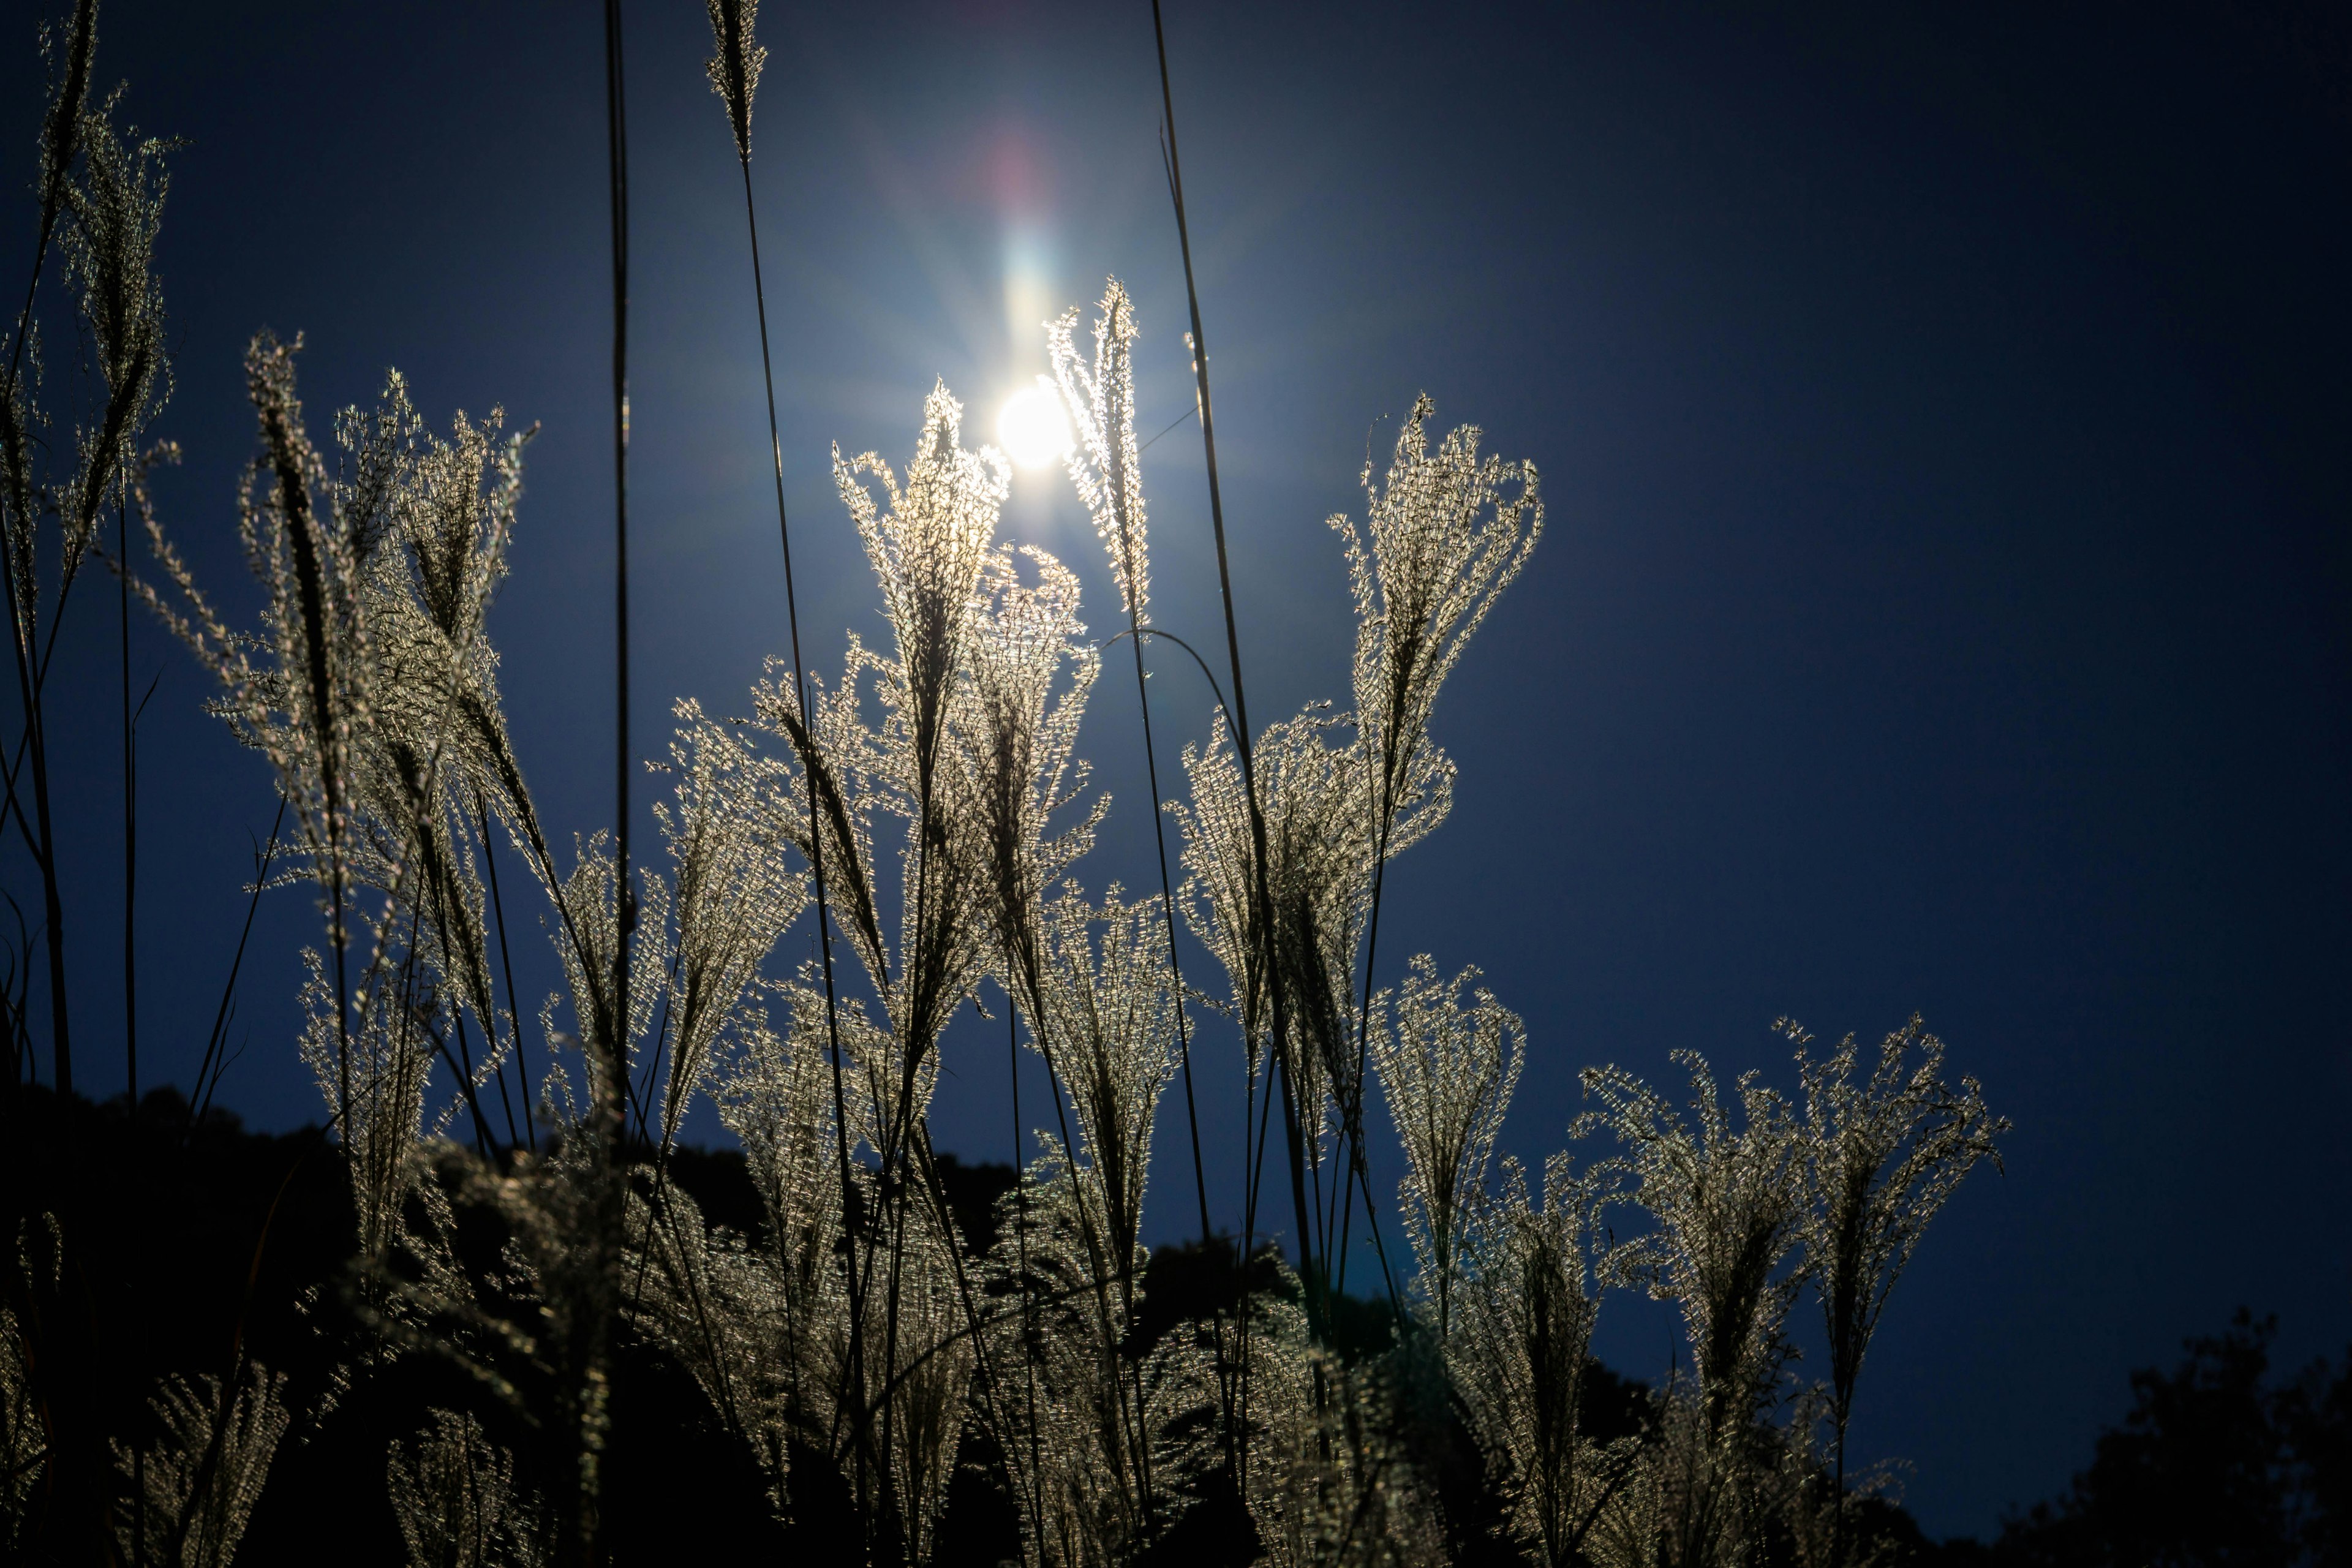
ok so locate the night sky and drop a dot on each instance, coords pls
(1944, 425)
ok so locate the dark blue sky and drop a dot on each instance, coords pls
(1942, 422)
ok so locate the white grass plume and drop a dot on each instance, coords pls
(1447, 1072)
(1103, 461)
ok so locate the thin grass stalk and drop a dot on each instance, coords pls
(1229, 1436)
(15, 999)
(129, 820)
(617, 158)
(60, 137)
(200, 1095)
(1021, 1244)
(506, 960)
(436, 887)
(1353, 1111)
(1249, 779)
(817, 834)
(1159, 838)
(59, 142)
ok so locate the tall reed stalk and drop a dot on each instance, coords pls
(129, 825)
(61, 133)
(734, 71)
(617, 163)
(1268, 969)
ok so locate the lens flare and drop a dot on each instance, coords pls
(1033, 430)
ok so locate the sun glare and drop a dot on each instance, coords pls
(1032, 429)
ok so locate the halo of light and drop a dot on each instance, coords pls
(1032, 429)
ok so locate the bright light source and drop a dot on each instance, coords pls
(1032, 429)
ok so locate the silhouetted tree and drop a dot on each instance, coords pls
(2216, 1466)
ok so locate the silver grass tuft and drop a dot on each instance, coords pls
(205, 1473)
(1103, 1445)
(734, 69)
(454, 1496)
(1728, 1202)
(1521, 1346)
(1882, 1156)
(1330, 1485)
(1448, 1073)
(1103, 461)
(1444, 535)
(117, 208)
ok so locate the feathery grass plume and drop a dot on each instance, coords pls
(1103, 461)
(373, 688)
(734, 70)
(928, 550)
(1521, 1348)
(1448, 1073)
(1273, 886)
(304, 701)
(535, 1332)
(762, 1325)
(1112, 1017)
(62, 124)
(109, 252)
(931, 548)
(204, 1476)
(1017, 764)
(1330, 1485)
(717, 1306)
(384, 1058)
(23, 1445)
(1680, 1504)
(24, 1427)
(775, 1102)
(590, 896)
(1115, 1438)
(882, 1080)
(735, 895)
(1311, 792)
(1804, 1506)
(1443, 536)
(430, 521)
(1727, 1204)
(1881, 1155)
(923, 1381)
(454, 1493)
(837, 803)
(64, 121)
(1106, 468)
(891, 1415)
(931, 551)
(1105, 1019)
